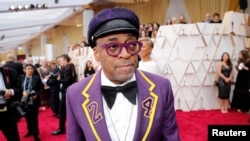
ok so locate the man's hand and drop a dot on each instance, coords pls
(58, 77)
(25, 93)
(8, 94)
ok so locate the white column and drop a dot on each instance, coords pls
(65, 44)
(88, 14)
(43, 45)
(50, 51)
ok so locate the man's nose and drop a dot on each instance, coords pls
(124, 53)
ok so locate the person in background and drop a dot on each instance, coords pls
(142, 28)
(143, 33)
(32, 87)
(84, 42)
(216, 18)
(89, 69)
(208, 18)
(149, 29)
(44, 71)
(38, 63)
(11, 94)
(241, 94)
(21, 61)
(66, 78)
(11, 63)
(174, 20)
(169, 21)
(156, 27)
(182, 19)
(119, 102)
(147, 63)
(54, 85)
(28, 60)
(225, 73)
(58, 60)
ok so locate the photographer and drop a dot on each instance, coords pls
(66, 78)
(10, 97)
(31, 88)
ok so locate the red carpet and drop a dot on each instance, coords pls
(47, 123)
(193, 125)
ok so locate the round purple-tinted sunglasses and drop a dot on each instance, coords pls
(114, 49)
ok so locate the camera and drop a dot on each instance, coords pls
(13, 105)
(16, 105)
(27, 100)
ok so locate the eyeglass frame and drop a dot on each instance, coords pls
(121, 45)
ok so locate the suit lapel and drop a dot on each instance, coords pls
(147, 103)
(93, 108)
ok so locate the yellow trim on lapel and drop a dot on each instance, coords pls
(84, 106)
(151, 119)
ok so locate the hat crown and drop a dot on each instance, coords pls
(108, 15)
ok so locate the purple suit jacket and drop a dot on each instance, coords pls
(156, 119)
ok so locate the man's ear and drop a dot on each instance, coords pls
(96, 54)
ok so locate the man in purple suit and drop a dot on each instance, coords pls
(119, 102)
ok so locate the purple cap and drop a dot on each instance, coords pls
(114, 20)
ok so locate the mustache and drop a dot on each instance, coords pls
(126, 63)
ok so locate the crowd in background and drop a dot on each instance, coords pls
(151, 29)
(241, 91)
(42, 84)
(57, 75)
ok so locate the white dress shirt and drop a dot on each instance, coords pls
(121, 119)
(2, 85)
